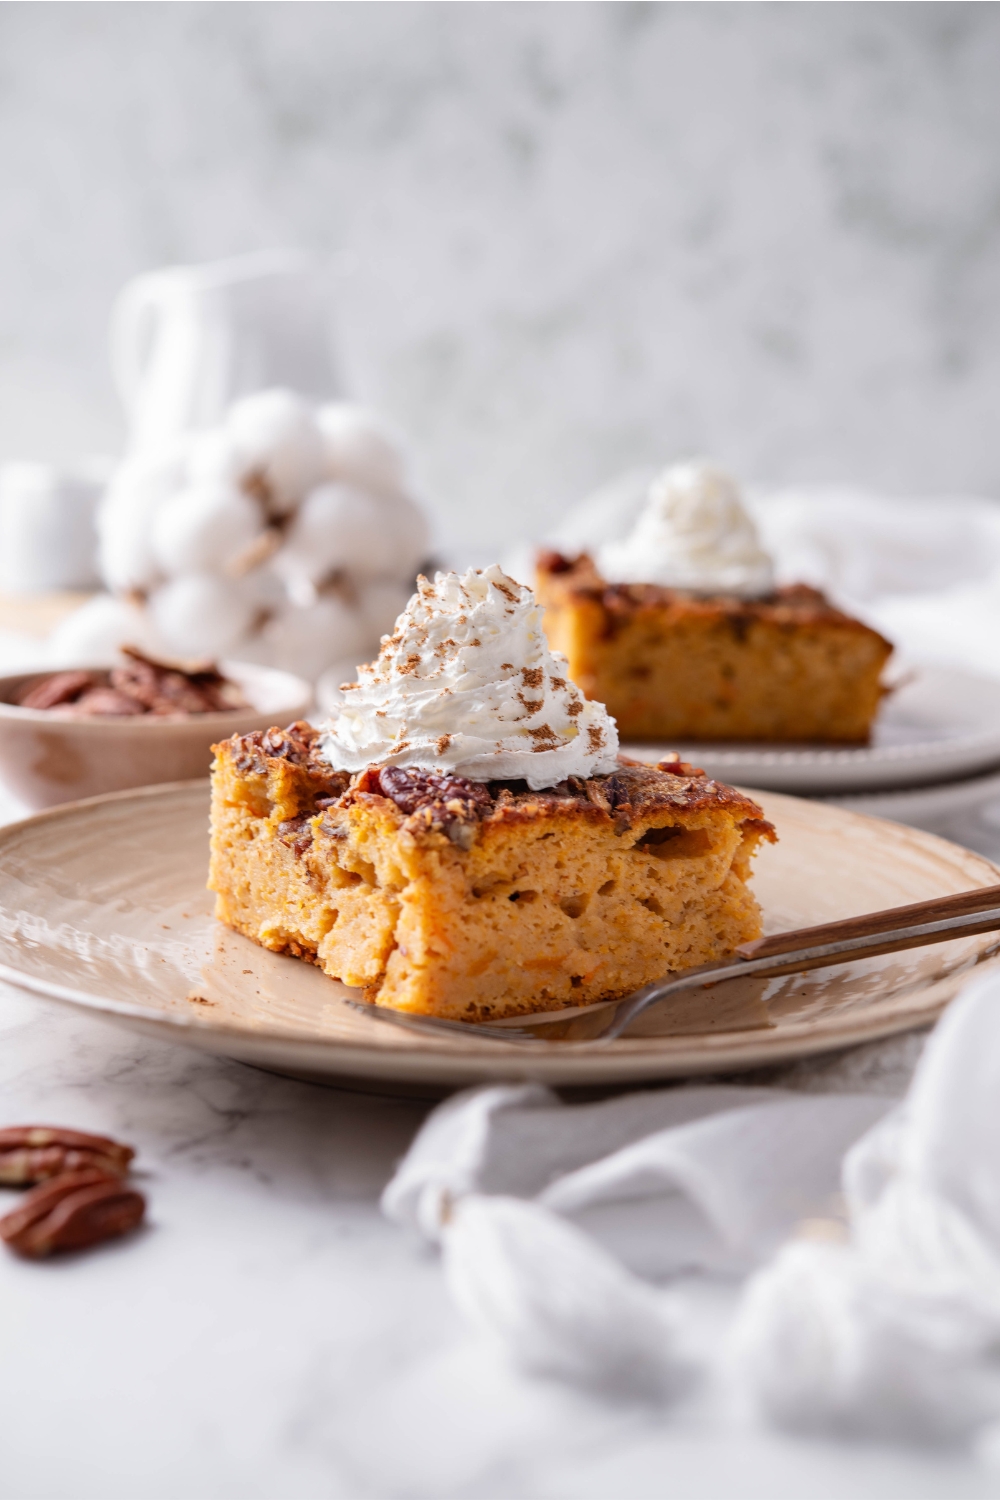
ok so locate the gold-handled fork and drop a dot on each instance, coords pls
(891, 931)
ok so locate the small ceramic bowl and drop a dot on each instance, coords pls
(47, 757)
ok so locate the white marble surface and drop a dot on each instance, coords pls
(268, 1333)
(569, 238)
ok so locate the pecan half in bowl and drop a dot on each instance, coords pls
(59, 754)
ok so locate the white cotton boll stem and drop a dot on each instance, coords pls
(340, 529)
(308, 640)
(361, 448)
(274, 435)
(93, 635)
(204, 527)
(555, 1302)
(201, 614)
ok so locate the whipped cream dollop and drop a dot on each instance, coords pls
(467, 683)
(693, 534)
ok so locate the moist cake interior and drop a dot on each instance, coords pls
(471, 900)
(677, 667)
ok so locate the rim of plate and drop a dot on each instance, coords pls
(624, 1060)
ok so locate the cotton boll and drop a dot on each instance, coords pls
(381, 602)
(201, 614)
(125, 544)
(361, 448)
(214, 458)
(341, 528)
(203, 527)
(264, 588)
(93, 635)
(307, 640)
(126, 514)
(338, 528)
(274, 435)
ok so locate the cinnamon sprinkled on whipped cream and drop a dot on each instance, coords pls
(467, 683)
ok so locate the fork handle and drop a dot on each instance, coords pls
(892, 931)
(895, 920)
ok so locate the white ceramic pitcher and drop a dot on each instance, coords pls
(187, 340)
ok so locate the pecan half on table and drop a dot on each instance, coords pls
(70, 1212)
(32, 1153)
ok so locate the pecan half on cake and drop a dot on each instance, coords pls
(437, 889)
(681, 632)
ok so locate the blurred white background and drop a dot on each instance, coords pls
(567, 238)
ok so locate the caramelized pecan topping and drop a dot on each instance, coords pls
(674, 766)
(412, 789)
(297, 745)
(432, 800)
(788, 604)
(297, 833)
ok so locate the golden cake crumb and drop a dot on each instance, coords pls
(674, 666)
(471, 900)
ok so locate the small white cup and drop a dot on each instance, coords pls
(47, 536)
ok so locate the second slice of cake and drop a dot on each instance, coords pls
(681, 632)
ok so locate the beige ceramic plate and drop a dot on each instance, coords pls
(103, 904)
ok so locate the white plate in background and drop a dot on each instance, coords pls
(932, 807)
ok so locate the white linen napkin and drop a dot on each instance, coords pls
(897, 1331)
(547, 1213)
(559, 1225)
(924, 571)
